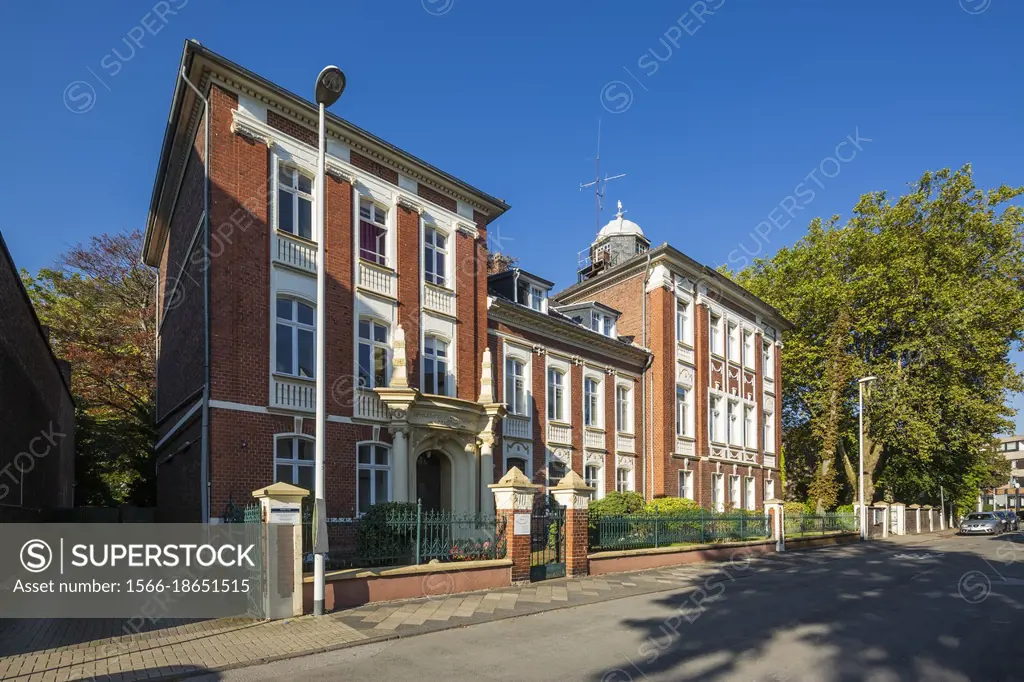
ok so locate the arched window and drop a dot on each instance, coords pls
(295, 338)
(293, 461)
(373, 353)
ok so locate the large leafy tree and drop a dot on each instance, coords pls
(925, 292)
(97, 301)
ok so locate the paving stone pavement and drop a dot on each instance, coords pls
(81, 649)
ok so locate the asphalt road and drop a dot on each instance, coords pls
(947, 608)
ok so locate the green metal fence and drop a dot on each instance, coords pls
(639, 531)
(407, 537)
(803, 525)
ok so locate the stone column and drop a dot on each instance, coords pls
(513, 500)
(486, 473)
(776, 518)
(573, 493)
(493, 412)
(400, 466)
(281, 504)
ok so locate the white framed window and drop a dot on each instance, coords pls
(294, 201)
(686, 484)
(734, 436)
(769, 489)
(531, 295)
(537, 298)
(624, 480)
(435, 256)
(293, 461)
(295, 338)
(373, 232)
(602, 323)
(556, 472)
(734, 491)
(592, 476)
(373, 475)
(718, 492)
(767, 360)
(734, 342)
(515, 386)
(748, 349)
(556, 394)
(769, 433)
(684, 323)
(374, 353)
(715, 420)
(591, 402)
(750, 502)
(749, 432)
(623, 409)
(436, 365)
(715, 334)
(683, 412)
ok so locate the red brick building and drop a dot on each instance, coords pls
(571, 387)
(713, 393)
(405, 246)
(424, 355)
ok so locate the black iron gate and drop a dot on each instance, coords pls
(547, 540)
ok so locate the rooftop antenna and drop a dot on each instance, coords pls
(598, 183)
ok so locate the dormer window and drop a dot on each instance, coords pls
(594, 316)
(531, 295)
(537, 298)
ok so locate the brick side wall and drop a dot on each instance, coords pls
(37, 425)
(409, 287)
(341, 380)
(179, 363)
(240, 303)
(178, 488)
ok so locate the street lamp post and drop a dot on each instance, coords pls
(329, 86)
(860, 479)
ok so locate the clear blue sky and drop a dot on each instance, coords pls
(507, 96)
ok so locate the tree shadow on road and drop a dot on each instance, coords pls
(875, 610)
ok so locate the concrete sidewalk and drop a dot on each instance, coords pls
(59, 651)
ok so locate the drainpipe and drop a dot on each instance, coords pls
(648, 395)
(204, 467)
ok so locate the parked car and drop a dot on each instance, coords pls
(981, 523)
(1009, 519)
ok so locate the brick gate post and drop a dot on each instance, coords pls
(513, 503)
(573, 493)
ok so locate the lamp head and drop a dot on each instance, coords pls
(329, 85)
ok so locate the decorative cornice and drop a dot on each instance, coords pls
(239, 126)
(305, 120)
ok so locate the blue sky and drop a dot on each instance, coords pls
(715, 119)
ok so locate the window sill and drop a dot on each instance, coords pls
(375, 265)
(683, 436)
(684, 344)
(442, 287)
(292, 377)
(717, 355)
(298, 238)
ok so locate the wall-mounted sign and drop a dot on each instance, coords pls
(285, 513)
(521, 524)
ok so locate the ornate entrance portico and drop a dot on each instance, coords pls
(443, 447)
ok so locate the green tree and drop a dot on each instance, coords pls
(926, 292)
(97, 301)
